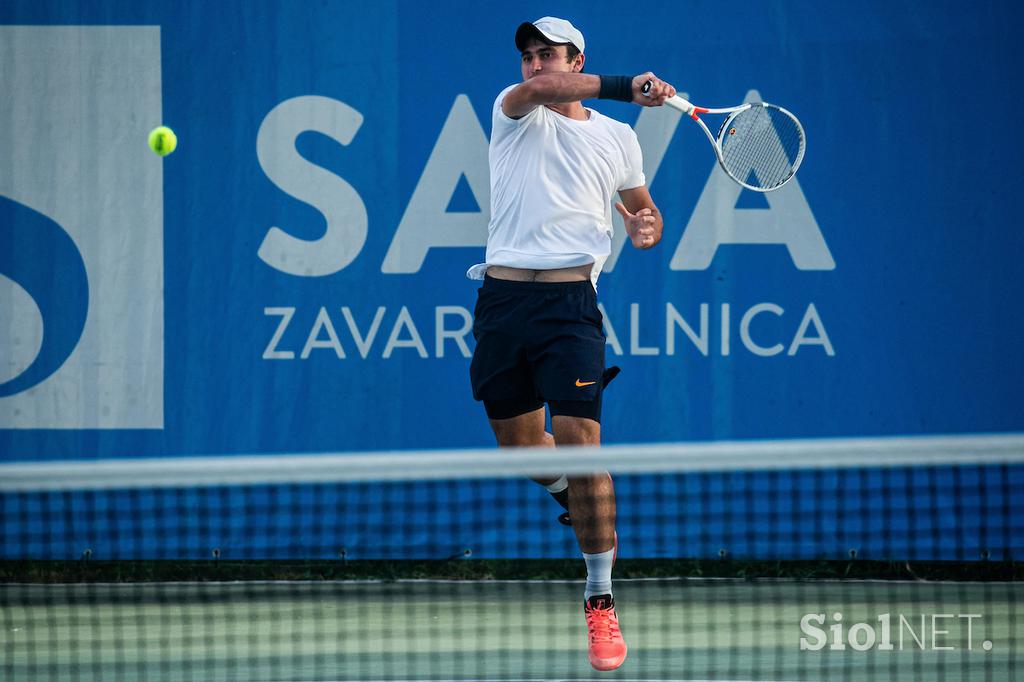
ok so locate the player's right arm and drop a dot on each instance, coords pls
(553, 88)
(559, 88)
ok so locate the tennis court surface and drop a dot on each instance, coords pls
(804, 560)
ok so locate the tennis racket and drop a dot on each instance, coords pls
(759, 145)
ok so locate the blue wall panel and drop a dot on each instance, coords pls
(908, 189)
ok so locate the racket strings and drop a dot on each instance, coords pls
(761, 146)
(754, 156)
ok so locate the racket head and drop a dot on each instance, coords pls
(761, 146)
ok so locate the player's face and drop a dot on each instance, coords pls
(539, 58)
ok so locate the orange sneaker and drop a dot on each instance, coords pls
(607, 648)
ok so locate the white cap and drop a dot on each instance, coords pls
(553, 29)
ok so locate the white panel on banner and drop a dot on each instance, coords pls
(76, 165)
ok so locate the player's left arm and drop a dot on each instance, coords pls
(642, 218)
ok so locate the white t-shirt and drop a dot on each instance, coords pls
(552, 180)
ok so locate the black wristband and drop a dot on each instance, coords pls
(616, 87)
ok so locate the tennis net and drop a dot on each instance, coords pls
(861, 559)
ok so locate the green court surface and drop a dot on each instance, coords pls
(676, 629)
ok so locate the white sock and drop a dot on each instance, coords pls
(558, 486)
(599, 573)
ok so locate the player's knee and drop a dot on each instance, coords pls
(576, 430)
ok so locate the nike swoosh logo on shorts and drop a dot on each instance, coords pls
(581, 384)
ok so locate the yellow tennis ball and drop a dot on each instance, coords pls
(162, 140)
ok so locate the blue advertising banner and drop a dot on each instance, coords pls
(292, 277)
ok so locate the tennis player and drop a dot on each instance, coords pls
(555, 168)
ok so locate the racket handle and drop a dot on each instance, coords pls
(676, 102)
(681, 104)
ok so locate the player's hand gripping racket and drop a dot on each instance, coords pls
(759, 145)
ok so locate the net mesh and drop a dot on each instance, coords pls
(762, 146)
(735, 562)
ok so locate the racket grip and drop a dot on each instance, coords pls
(681, 104)
(676, 102)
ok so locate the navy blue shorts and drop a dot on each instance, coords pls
(536, 343)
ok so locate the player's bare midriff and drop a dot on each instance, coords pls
(578, 273)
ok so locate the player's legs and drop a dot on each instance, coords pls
(523, 430)
(592, 507)
(553, 332)
(591, 497)
(527, 430)
(559, 488)
(512, 353)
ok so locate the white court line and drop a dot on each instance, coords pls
(534, 581)
(557, 679)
